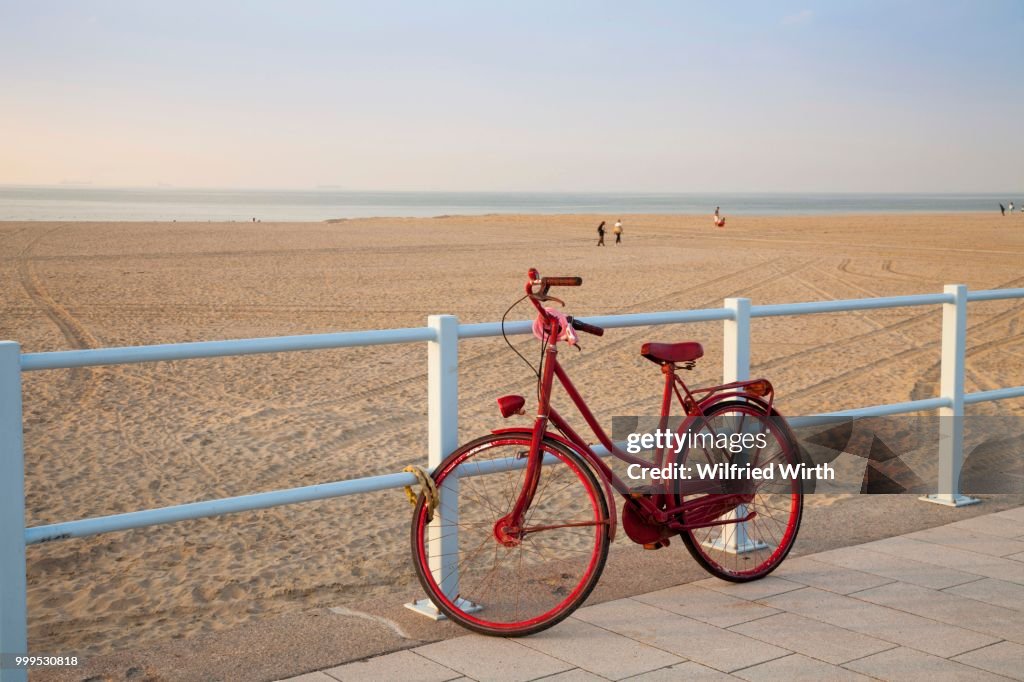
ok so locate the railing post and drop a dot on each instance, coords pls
(13, 605)
(736, 346)
(736, 367)
(442, 388)
(951, 385)
(443, 438)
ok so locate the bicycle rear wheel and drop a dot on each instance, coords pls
(504, 586)
(748, 550)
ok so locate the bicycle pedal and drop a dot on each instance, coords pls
(657, 545)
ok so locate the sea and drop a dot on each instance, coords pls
(85, 203)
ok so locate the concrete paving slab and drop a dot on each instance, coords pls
(992, 524)
(311, 677)
(714, 647)
(970, 540)
(950, 557)
(599, 651)
(401, 665)
(953, 609)
(825, 576)
(707, 606)
(1004, 658)
(1017, 557)
(909, 665)
(690, 671)
(814, 638)
(575, 675)
(1014, 514)
(895, 568)
(992, 591)
(492, 658)
(757, 589)
(881, 622)
(798, 668)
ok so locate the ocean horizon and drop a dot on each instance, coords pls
(77, 203)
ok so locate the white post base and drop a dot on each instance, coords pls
(950, 500)
(724, 544)
(734, 538)
(425, 607)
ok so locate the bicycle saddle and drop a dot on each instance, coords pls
(687, 351)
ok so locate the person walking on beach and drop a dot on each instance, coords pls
(1002, 209)
(719, 220)
(600, 234)
(618, 231)
(1011, 208)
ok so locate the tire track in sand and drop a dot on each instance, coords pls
(82, 380)
(922, 388)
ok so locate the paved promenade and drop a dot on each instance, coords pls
(945, 603)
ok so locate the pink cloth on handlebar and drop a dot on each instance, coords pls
(565, 331)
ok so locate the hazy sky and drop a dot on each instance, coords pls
(552, 95)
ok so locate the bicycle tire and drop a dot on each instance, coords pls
(769, 540)
(554, 570)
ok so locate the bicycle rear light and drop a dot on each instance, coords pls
(760, 388)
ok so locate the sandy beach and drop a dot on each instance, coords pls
(114, 439)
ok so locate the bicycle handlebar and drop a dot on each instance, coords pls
(533, 279)
(584, 327)
(537, 289)
(561, 281)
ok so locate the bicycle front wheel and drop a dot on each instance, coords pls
(494, 584)
(748, 550)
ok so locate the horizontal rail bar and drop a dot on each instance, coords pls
(275, 498)
(814, 307)
(486, 329)
(875, 411)
(209, 349)
(997, 394)
(214, 349)
(279, 344)
(495, 466)
(227, 505)
(994, 294)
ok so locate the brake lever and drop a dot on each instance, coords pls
(547, 297)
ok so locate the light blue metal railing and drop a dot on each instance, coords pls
(442, 335)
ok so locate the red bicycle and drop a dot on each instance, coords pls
(526, 515)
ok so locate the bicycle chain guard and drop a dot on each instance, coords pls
(638, 527)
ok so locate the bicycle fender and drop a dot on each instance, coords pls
(561, 440)
(722, 397)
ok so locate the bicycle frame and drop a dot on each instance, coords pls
(542, 525)
(705, 511)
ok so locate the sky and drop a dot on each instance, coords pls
(518, 96)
